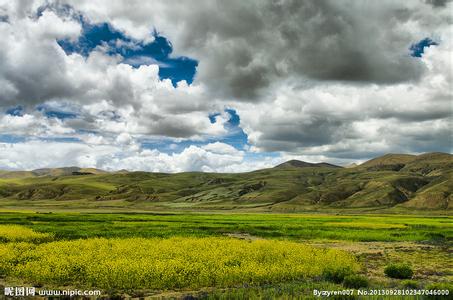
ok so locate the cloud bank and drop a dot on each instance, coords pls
(330, 80)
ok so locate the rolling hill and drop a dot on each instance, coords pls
(393, 181)
(51, 172)
(302, 164)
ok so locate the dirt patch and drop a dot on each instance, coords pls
(430, 262)
(243, 236)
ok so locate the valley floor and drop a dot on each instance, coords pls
(267, 244)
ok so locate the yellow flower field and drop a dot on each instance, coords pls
(16, 233)
(173, 263)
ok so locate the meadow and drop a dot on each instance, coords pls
(220, 255)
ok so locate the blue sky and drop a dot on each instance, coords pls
(134, 52)
(15, 111)
(417, 49)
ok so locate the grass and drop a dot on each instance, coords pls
(399, 271)
(248, 255)
(277, 226)
(355, 281)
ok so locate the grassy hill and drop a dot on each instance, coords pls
(302, 164)
(395, 181)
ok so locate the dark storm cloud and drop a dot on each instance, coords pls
(291, 135)
(438, 3)
(172, 128)
(442, 112)
(328, 41)
(244, 47)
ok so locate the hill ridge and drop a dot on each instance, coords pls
(294, 163)
(422, 183)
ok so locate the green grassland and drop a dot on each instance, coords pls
(374, 241)
(278, 226)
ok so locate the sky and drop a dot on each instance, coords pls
(222, 86)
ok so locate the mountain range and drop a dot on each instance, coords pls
(393, 181)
